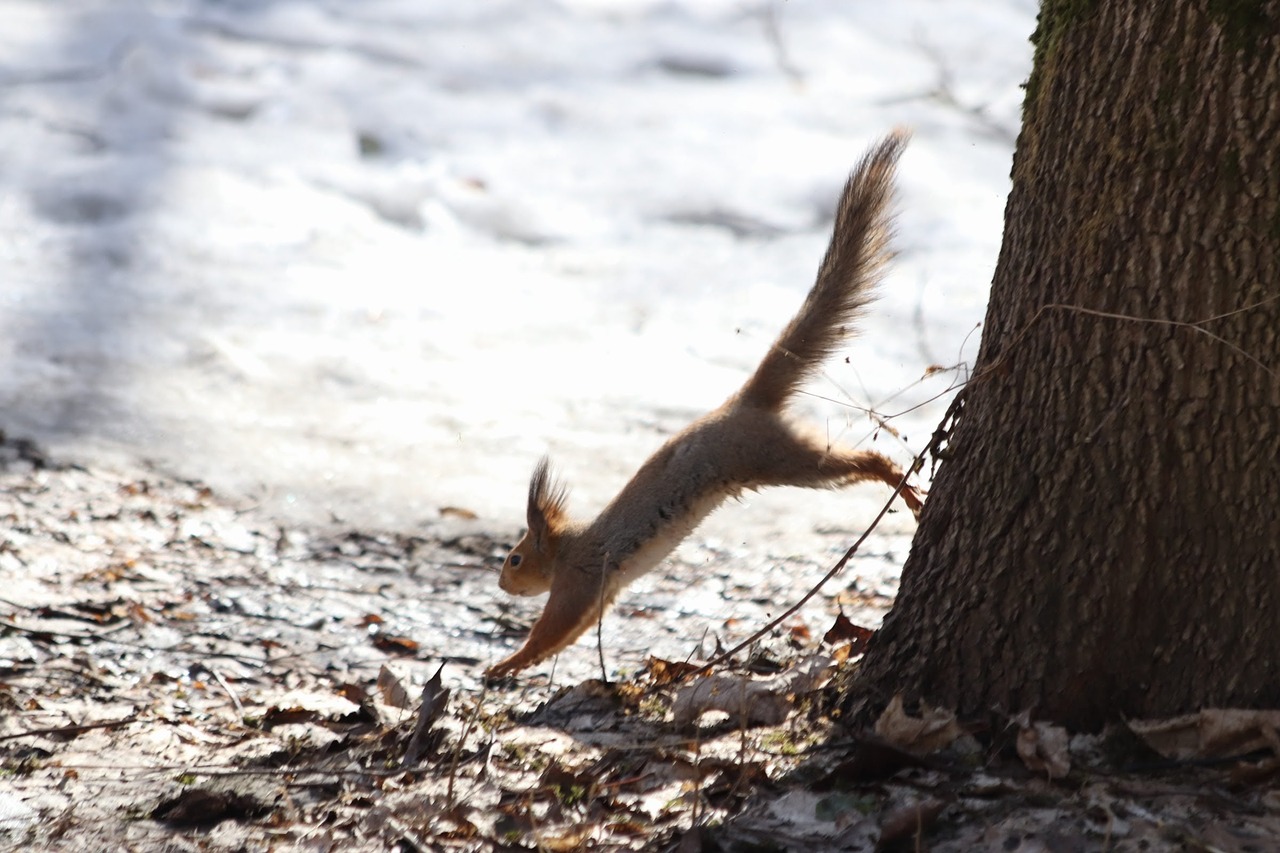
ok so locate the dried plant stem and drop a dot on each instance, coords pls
(604, 573)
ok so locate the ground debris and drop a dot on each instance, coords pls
(177, 673)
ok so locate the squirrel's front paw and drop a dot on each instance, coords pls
(498, 672)
(509, 666)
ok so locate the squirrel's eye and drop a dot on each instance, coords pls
(514, 560)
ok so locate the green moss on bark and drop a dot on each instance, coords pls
(1055, 18)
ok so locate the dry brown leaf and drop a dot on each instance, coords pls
(394, 645)
(1211, 733)
(1043, 747)
(663, 672)
(356, 693)
(434, 698)
(306, 706)
(392, 690)
(843, 630)
(933, 730)
(753, 703)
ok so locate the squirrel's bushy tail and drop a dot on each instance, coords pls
(849, 272)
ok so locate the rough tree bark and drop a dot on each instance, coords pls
(1104, 538)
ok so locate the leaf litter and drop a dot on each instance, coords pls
(180, 673)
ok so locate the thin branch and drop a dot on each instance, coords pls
(222, 682)
(773, 34)
(604, 577)
(1196, 326)
(72, 730)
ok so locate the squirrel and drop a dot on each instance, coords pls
(746, 444)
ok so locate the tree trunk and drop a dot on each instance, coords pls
(1103, 538)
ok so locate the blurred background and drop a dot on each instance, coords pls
(366, 261)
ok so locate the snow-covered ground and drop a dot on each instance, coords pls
(369, 259)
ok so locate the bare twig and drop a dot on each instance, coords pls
(462, 740)
(604, 576)
(1196, 326)
(222, 682)
(72, 730)
(100, 636)
(773, 34)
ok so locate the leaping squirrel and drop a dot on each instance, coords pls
(748, 443)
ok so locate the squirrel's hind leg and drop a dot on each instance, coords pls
(796, 459)
(846, 467)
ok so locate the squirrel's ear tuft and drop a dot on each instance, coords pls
(546, 513)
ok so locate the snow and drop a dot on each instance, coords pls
(365, 260)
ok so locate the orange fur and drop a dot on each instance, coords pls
(747, 443)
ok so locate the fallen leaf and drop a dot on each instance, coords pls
(933, 730)
(358, 695)
(392, 690)
(662, 672)
(15, 815)
(587, 698)
(1211, 733)
(844, 630)
(1043, 747)
(301, 706)
(763, 700)
(434, 698)
(394, 645)
(745, 700)
(287, 716)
